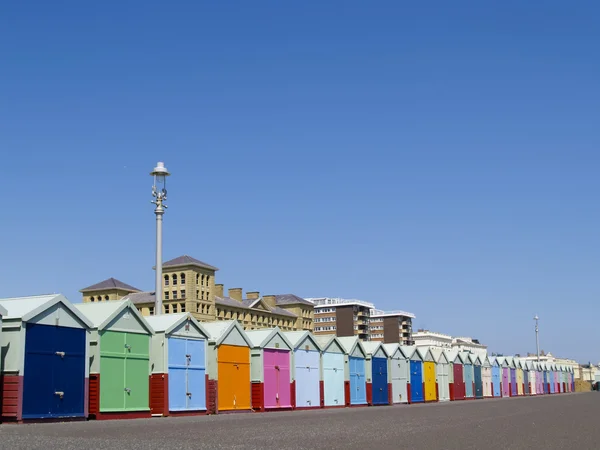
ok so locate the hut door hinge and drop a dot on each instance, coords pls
(60, 394)
(189, 394)
(61, 354)
(128, 347)
(127, 390)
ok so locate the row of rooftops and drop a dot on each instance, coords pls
(99, 315)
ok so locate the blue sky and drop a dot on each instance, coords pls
(441, 158)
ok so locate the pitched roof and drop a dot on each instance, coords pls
(141, 297)
(3, 311)
(217, 331)
(27, 308)
(371, 347)
(228, 301)
(111, 283)
(101, 314)
(249, 304)
(165, 323)
(186, 260)
(291, 299)
(259, 338)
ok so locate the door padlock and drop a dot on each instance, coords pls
(60, 394)
(61, 354)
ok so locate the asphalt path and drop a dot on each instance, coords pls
(566, 421)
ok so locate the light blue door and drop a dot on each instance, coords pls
(187, 374)
(469, 379)
(358, 384)
(496, 381)
(333, 379)
(308, 393)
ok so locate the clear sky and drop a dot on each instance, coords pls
(441, 159)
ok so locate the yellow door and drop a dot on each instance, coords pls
(234, 378)
(430, 391)
(520, 380)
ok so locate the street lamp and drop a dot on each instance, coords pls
(537, 337)
(159, 192)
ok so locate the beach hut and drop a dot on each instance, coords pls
(486, 374)
(178, 365)
(44, 348)
(228, 364)
(442, 372)
(429, 376)
(416, 381)
(468, 374)
(526, 374)
(356, 381)
(119, 360)
(551, 379)
(531, 377)
(477, 376)
(398, 372)
(377, 373)
(333, 365)
(556, 378)
(539, 378)
(513, 375)
(546, 374)
(270, 369)
(457, 386)
(572, 379)
(505, 381)
(306, 369)
(496, 377)
(520, 376)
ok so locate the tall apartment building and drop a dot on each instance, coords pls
(341, 317)
(391, 326)
(350, 317)
(189, 286)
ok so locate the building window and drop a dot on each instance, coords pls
(197, 294)
(166, 280)
(183, 293)
(151, 310)
(182, 278)
(174, 295)
(174, 279)
(207, 278)
(166, 296)
(106, 297)
(174, 306)
(182, 307)
(92, 298)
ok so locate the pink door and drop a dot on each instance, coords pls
(277, 378)
(505, 382)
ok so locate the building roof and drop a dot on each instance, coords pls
(217, 331)
(349, 342)
(102, 313)
(26, 308)
(186, 260)
(141, 297)
(3, 311)
(297, 337)
(110, 283)
(291, 299)
(249, 304)
(260, 338)
(165, 323)
(371, 347)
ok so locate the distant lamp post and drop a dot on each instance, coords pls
(159, 192)
(537, 337)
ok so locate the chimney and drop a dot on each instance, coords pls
(252, 295)
(236, 294)
(270, 300)
(219, 290)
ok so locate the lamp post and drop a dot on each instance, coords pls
(159, 192)
(537, 337)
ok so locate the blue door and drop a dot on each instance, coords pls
(54, 374)
(545, 381)
(551, 381)
(187, 370)
(496, 381)
(333, 379)
(478, 382)
(358, 385)
(469, 379)
(416, 382)
(380, 381)
(308, 393)
(526, 381)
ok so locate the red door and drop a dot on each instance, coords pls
(459, 382)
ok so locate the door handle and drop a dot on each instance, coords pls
(60, 394)
(61, 354)
(128, 347)
(189, 394)
(127, 390)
